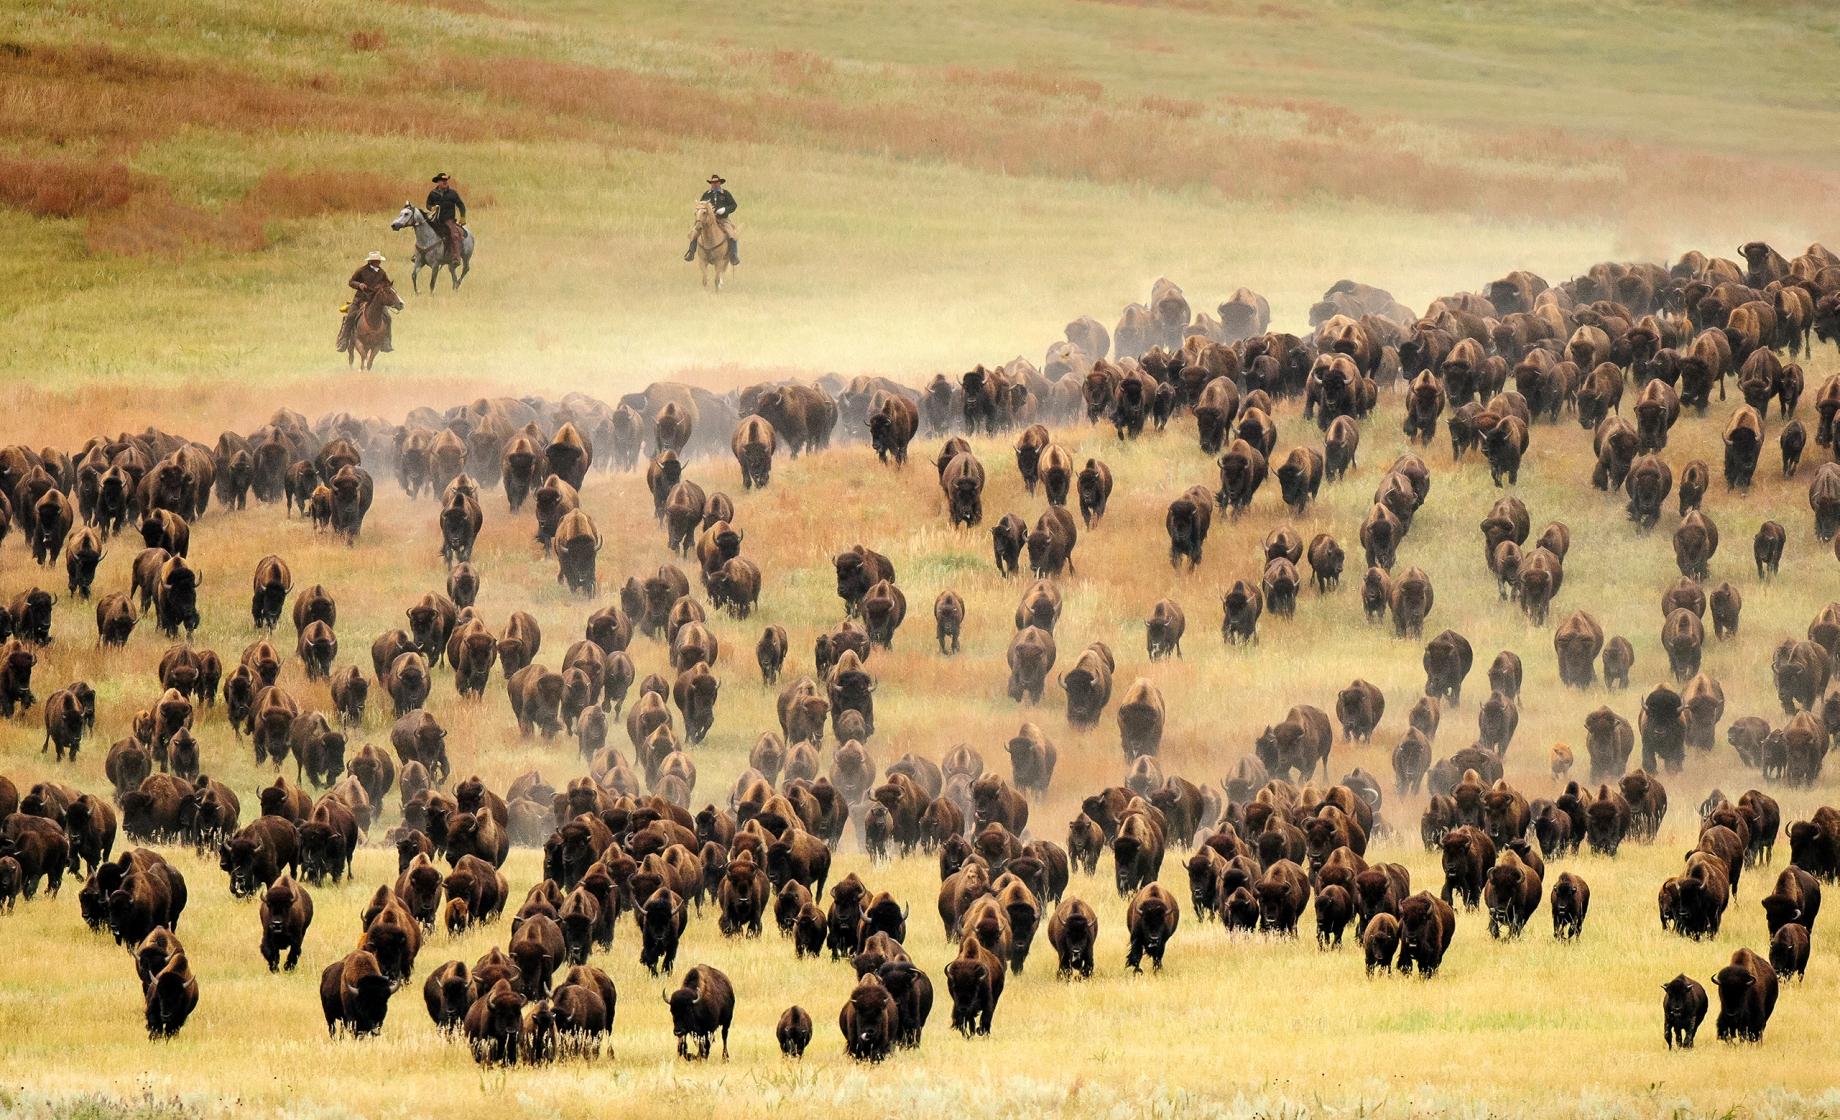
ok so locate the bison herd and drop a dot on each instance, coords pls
(1276, 840)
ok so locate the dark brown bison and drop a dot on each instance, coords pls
(1619, 658)
(1571, 902)
(1073, 931)
(1426, 927)
(1447, 661)
(1358, 709)
(1151, 919)
(1695, 541)
(858, 570)
(1297, 744)
(1801, 670)
(286, 912)
(1683, 1009)
(1283, 892)
(1747, 996)
(1796, 898)
(963, 483)
(1164, 628)
(1095, 488)
(171, 994)
(1030, 657)
(1088, 685)
(974, 980)
(1140, 719)
(1242, 472)
(1187, 523)
(1468, 853)
(1824, 500)
(1512, 895)
(1648, 483)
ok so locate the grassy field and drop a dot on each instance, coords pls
(184, 189)
(1568, 1029)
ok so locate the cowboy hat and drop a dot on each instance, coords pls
(374, 256)
(715, 179)
(440, 177)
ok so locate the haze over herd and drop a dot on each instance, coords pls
(740, 734)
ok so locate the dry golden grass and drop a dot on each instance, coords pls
(926, 185)
(910, 203)
(1570, 1030)
(318, 194)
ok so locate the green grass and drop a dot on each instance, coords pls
(921, 186)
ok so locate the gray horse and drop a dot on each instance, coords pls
(431, 249)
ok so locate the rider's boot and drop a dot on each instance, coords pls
(734, 251)
(690, 253)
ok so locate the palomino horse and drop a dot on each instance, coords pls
(371, 334)
(711, 244)
(431, 249)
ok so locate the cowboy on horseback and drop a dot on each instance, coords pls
(448, 211)
(364, 283)
(724, 204)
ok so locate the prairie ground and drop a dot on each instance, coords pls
(184, 189)
(1506, 1026)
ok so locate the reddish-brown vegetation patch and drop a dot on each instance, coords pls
(50, 188)
(315, 194)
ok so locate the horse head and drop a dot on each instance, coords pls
(386, 295)
(407, 217)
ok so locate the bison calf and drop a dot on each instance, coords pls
(1683, 1009)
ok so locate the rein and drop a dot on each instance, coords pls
(711, 226)
(375, 311)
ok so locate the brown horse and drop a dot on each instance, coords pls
(370, 335)
(711, 244)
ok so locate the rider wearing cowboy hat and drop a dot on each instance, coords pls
(448, 212)
(725, 204)
(369, 277)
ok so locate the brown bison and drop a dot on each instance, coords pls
(1747, 996)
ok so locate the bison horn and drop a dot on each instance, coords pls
(663, 995)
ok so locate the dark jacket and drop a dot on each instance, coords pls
(368, 277)
(445, 202)
(724, 202)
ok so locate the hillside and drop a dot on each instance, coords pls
(922, 186)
